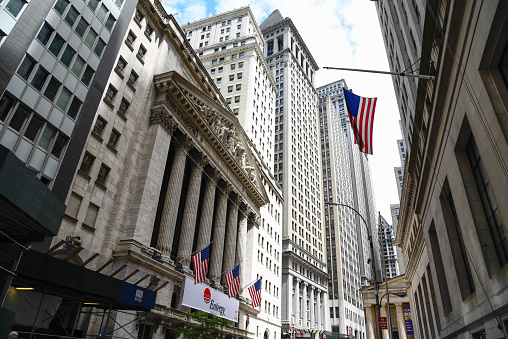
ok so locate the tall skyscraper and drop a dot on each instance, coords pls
(347, 181)
(391, 264)
(230, 47)
(395, 208)
(298, 171)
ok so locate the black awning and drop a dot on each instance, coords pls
(29, 211)
(57, 275)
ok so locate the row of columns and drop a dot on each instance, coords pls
(398, 324)
(229, 226)
(314, 314)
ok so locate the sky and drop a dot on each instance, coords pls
(338, 33)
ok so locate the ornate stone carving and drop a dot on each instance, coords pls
(160, 116)
(72, 243)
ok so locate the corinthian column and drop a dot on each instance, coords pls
(241, 244)
(312, 308)
(319, 311)
(190, 213)
(297, 300)
(206, 220)
(218, 234)
(231, 235)
(172, 200)
(305, 312)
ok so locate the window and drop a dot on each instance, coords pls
(52, 89)
(214, 61)
(45, 33)
(220, 69)
(238, 87)
(63, 99)
(138, 16)
(212, 71)
(221, 60)
(113, 138)
(119, 3)
(228, 100)
(99, 47)
(78, 66)
(120, 65)
(19, 118)
(101, 15)
(233, 57)
(110, 22)
(110, 93)
(229, 22)
(81, 27)
(230, 89)
(237, 35)
(71, 16)
(231, 77)
(103, 174)
(73, 205)
(33, 128)
(237, 99)
(240, 19)
(124, 106)
(242, 43)
(87, 76)
(93, 4)
(130, 38)
(46, 137)
(148, 30)
(133, 77)
(221, 39)
(100, 123)
(240, 64)
(90, 38)
(236, 110)
(74, 108)
(219, 80)
(239, 75)
(226, 38)
(233, 66)
(67, 56)
(56, 45)
(59, 145)
(141, 52)
(60, 6)
(239, 26)
(26, 67)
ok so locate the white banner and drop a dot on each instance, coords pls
(209, 300)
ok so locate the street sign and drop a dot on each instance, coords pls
(383, 325)
(324, 336)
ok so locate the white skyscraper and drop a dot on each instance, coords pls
(298, 171)
(346, 181)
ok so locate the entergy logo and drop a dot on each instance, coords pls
(207, 295)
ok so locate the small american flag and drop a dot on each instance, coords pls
(255, 293)
(200, 261)
(233, 280)
(361, 115)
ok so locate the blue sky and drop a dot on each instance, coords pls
(338, 33)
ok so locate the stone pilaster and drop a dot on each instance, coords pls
(312, 308)
(401, 323)
(231, 235)
(206, 220)
(190, 213)
(289, 300)
(172, 201)
(218, 234)
(297, 303)
(319, 311)
(305, 312)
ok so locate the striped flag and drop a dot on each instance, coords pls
(200, 261)
(361, 115)
(255, 293)
(233, 281)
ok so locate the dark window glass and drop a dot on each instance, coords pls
(26, 67)
(46, 137)
(63, 99)
(33, 128)
(71, 16)
(81, 27)
(15, 6)
(99, 126)
(5, 106)
(101, 15)
(52, 89)
(74, 109)
(45, 33)
(87, 163)
(19, 118)
(67, 55)
(39, 78)
(90, 38)
(110, 93)
(77, 67)
(59, 145)
(99, 47)
(103, 174)
(124, 105)
(118, 3)
(113, 138)
(60, 6)
(110, 22)
(87, 76)
(93, 4)
(56, 45)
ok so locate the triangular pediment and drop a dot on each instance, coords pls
(205, 117)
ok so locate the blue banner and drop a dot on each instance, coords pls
(409, 327)
(137, 295)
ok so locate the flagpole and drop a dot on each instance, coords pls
(252, 282)
(228, 270)
(195, 252)
(402, 74)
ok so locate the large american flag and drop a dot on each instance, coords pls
(361, 115)
(233, 281)
(200, 261)
(255, 293)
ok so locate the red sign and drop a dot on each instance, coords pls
(324, 336)
(383, 325)
(298, 335)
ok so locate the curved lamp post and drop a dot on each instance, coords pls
(398, 294)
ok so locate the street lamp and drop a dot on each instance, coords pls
(398, 294)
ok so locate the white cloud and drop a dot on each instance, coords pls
(188, 11)
(342, 33)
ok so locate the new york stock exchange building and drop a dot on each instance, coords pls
(166, 170)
